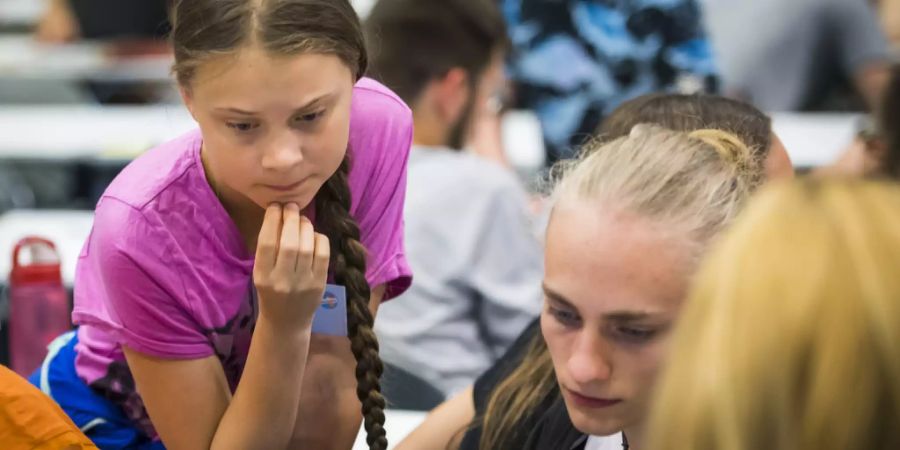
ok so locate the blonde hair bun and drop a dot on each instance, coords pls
(730, 147)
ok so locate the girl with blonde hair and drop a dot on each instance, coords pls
(630, 219)
(791, 336)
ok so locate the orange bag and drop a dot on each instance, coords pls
(29, 420)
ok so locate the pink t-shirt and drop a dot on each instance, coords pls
(165, 270)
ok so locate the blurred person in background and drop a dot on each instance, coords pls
(876, 149)
(800, 55)
(71, 20)
(128, 29)
(469, 239)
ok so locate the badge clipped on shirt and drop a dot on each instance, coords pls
(331, 316)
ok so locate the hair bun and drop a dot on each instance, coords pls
(730, 147)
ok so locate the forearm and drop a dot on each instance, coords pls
(264, 408)
(445, 426)
(487, 139)
(329, 415)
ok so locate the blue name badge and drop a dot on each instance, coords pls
(331, 317)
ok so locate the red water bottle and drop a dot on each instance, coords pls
(38, 304)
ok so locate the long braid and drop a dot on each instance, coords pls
(348, 259)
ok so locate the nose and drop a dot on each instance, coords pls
(282, 152)
(589, 361)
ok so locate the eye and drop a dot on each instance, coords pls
(564, 317)
(635, 334)
(241, 127)
(311, 117)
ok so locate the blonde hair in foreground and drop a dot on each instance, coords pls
(791, 337)
(691, 184)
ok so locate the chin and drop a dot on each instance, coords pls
(593, 422)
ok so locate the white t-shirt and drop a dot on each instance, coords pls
(477, 269)
(612, 442)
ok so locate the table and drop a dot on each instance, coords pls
(22, 57)
(88, 132)
(20, 13)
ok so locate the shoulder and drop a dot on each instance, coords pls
(496, 188)
(464, 172)
(372, 96)
(156, 171)
(489, 174)
(378, 118)
(381, 129)
(163, 195)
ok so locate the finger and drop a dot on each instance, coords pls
(267, 242)
(289, 245)
(322, 258)
(307, 246)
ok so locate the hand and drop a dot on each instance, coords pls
(486, 130)
(861, 158)
(291, 269)
(486, 138)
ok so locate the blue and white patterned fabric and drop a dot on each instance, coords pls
(574, 61)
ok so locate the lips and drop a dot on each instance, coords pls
(591, 402)
(284, 187)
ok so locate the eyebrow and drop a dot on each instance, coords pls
(615, 316)
(305, 107)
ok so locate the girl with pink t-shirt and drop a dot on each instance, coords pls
(196, 290)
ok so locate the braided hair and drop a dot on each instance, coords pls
(348, 264)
